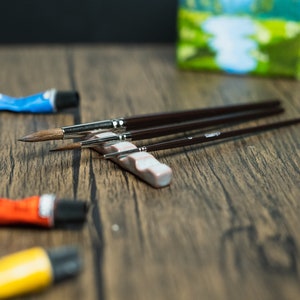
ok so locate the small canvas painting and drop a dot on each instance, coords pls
(260, 37)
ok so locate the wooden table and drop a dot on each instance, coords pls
(227, 227)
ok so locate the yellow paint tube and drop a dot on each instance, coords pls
(35, 269)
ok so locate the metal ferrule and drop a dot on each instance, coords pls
(82, 134)
(80, 130)
(118, 123)
(124, 137)
(143, 148)
(99, 141)
(126, 152)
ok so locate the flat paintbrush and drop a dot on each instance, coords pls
(205, 138)
(164, 130)
(141, 121)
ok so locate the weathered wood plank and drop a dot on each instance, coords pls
(29, 169)
(226, 228)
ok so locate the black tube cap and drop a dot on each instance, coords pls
(66, 262)
(68, 212)
(66, 99)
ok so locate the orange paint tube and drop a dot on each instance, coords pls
(43, 211)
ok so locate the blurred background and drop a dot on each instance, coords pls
(238, 36)
(88, 21)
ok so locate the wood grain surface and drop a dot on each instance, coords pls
(227, 227)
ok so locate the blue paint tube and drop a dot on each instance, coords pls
(50, 101)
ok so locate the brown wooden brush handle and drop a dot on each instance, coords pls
(156, 119)
(187, 141)
(198, 124)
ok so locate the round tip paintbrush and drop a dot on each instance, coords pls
(143, 121)
(153, 132)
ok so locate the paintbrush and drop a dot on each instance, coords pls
(141, 121)
(164, 130)
(205, 138)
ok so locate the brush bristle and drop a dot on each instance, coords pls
(71, 146)
(44, 135)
